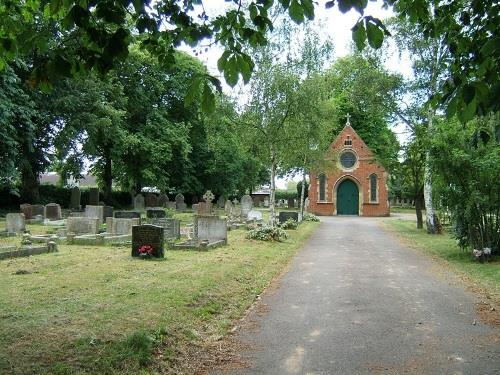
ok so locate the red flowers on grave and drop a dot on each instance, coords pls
(146, 250)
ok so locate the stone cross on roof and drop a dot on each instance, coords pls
(348, 122)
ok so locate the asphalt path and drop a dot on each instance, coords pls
(358, 301)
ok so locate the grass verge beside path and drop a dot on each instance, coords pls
(90, 310)
(484, 275)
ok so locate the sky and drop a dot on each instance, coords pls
(329, 23)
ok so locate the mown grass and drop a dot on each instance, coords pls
(92, 310)
(486, 275)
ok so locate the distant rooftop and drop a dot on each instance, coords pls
(52, 178)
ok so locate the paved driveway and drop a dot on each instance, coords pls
(356, 301)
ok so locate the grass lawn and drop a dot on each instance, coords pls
(95, 310)
(485, 275)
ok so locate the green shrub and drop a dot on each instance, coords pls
(310, 217)
(290, 224)
(285, 194)
(267, 233)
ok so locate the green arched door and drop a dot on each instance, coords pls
(347, 198)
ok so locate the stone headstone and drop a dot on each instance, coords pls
(155, 212)
(94, 196)
(127, 215)
(254, 215)
(119, 226)
(147, 235)
(204, 208)
(151, 200)
(266, 202)
(38, 210)
(194, 207)
(179, 202)
(107, 211)
(228, 208)
(171, 227)
(95, 212)
(139, 202)
(82, 225)
(75, 198)
(285, 215)
(52, 211)
(27, 210)
(235, 201)
(162, 200)
(221, 202)
(210, 228)
(15, 223)
(306, 204)
(246, 205)
(171, 205)
(291, 203)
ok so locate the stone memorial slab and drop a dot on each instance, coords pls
(127, 215)
(155, 212)
(147, 241)
(107, 212)
(179, 202)
(94, 196)
(76, 195)
(162, 200)
(171, 227)
(194, 207)
(285, 215)
(38, 210)
(221, 202)
(139, 202)
(210, 228)
(27, 210)
(254, 215)
(52, 211)
(95, 212)
(266, 202)
(246, 205)
(171, 205)
(204, 208)
(228, 208)
(15, 223)
(120, 226)
(82, 225)
(151, 200)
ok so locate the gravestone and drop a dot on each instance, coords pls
(38, 210)
(95, 212)
(107, 211)
(228, 208)
(210, 228)
(75, 198)
(254, 215)
(285, 215)
(162, 200)
(235, 201)
(221, 202)
(179, 202)
(171, 227)
(306, 204)
(139, 202)
(266, 202)
(291, 203)
(246, 205)
(194, 207)
(204, 208)
(151, 200)
(147, 235)
(127, 215)
(155, 212)
(120, 226)
(94, 196)
(27, 210)
(15, 223)
(52, 211)
(82, 225)
(171, 205)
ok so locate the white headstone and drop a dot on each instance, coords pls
(15, 223)
(246, 205)
(254, 215)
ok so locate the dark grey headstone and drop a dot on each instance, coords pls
(162, 200)
(127, 214)
(147, 234)
(172, 227)
(285, 215)
(155, 213)
(27, 210)
(221, 202)
(38, 209)
(151, 200)
(139, 202)
(75, 198)
(179, 202)
(53, 211)
(107, 211)
(94, 197)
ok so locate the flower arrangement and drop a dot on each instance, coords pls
(146, 250)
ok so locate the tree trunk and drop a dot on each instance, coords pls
(107, 176)
(418, 211)
(302, 191)
(30, 192)
(430, 214)
(272, 212)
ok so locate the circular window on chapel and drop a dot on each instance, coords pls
(348, 159)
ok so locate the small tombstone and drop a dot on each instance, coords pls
(194, 207)
(27, 210)
(38, 210)
(15, 223)
(179, 202)
(285, 215)
(95, 212)
(228, 208)
(171, 205)
(221, 202)
(52, 211)
(162, 200)
(204, 208)
(119, 226)
(306, 204)
(82, 225)
(266, 202)
(147, 241)
(291, 203)
(171, 227)
(75, 198)
(107, 211)
(235, 201)
(155, 212)
(210, 228)
(127, 215)
(254, 215)
(139, 202)
(246, 205)
(94, 196)
(151, 200)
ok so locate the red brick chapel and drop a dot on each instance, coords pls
(355, 186)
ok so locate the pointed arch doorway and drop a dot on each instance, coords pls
(347, 198)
